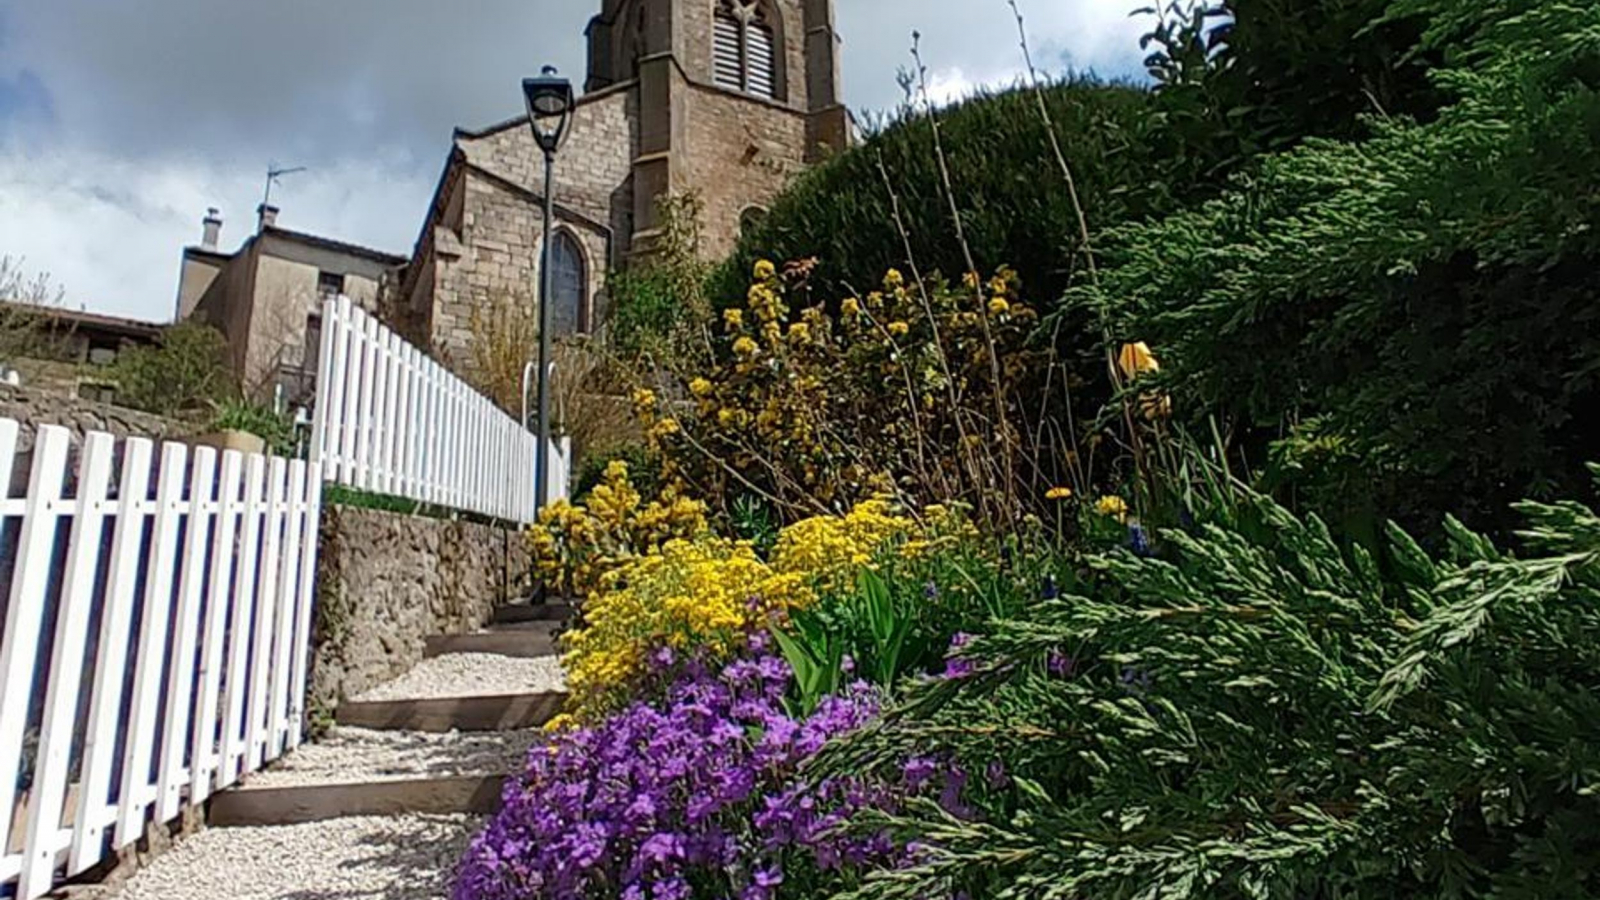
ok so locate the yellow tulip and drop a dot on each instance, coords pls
(1136, 359)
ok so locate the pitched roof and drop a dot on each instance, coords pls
(336, 246)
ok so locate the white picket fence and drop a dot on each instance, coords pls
(155, 638)
(391, 420)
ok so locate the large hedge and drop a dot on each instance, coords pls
(1414, 315)
(1014, 204)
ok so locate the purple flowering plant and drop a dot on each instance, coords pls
(700, 795)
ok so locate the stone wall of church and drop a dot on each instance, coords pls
(695, 29)
(740, 153)
(502, 220)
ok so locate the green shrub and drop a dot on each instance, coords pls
(184, 371)
(1411, 319)
(262, 421)
(1015, 208)
(1258, 713)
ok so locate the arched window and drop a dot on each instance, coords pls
(744, 44)
(751, 219)
(569, 286)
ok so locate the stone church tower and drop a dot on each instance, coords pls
(725, 98)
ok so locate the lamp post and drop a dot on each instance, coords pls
(550, 101)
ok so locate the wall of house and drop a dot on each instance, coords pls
(194, 280)
(386, 581)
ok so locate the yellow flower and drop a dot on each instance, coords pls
(999, 307)
(1113, 506)
(850, 307)
(1060, 493)
(644, 397)
(970, 280)
(616, 470)
(1156, 406)
(665, 428)
(799, 333)
(733, 318)
(893, 279)
(765, 270)
(745, 347)
(1136, 359)
(771, 332)
(700, 387)
(899, 329)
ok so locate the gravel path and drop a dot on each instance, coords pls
(471, 675)
(394, 858)
(358, 755)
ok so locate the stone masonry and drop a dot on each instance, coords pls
(653, 121)
(386, 581)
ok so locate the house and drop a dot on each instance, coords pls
(266, 298)
(59, 350)
(728, 99)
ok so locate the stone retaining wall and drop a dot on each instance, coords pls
(386, 581)
(31, 408)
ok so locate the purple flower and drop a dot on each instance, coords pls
(930, 591)
(995, 775)
(1051, 589)
(1138, 541)
(958, 666)
(1060, 664)
(660, 797)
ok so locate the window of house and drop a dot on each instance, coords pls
(329, 285)
(97, 393)
(744, 48)
(569, 286)
(102, 353)
(311, 354)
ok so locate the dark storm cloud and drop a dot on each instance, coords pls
(121, 121)
(311, 80)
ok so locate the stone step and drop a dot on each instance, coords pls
(534, 612)
(526, 644)
(363, 772)
(496, 712)
(250, 806)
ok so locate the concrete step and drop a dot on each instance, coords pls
(526, 644)
(534, 612)
(496, 712)
(250, 806)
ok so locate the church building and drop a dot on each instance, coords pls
(728, 99)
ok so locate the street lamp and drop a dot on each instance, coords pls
(550, 102)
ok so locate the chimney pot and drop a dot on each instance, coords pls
(213, 229)
(268, 214)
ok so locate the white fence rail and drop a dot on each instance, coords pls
(391, 420)
(155, 637)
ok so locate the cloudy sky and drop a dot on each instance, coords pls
(120, 122)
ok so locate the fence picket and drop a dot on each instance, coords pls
(139, 748)
(305, 600)
(206, 757)
(26, 607)
(51, 771)
(95, 809)
(286, 601)
(191, 584)
(244, 621)
(257, 723)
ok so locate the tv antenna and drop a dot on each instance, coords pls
(273, 174)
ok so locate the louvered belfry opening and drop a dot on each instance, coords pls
(744, 48)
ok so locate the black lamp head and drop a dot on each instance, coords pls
(550, 101)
